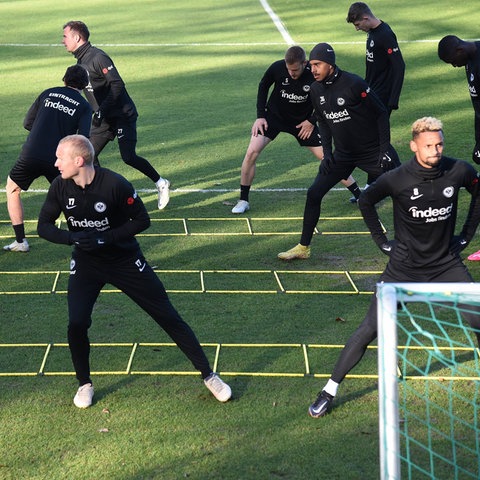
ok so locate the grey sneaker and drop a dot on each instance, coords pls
(17, 247)
(163, 187)
(84, 396)
(241, 207)
(221, 391)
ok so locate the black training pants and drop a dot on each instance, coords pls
(133, 276)
(357, 344)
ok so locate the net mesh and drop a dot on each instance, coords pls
(438, 387)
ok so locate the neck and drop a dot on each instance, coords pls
(85, 177)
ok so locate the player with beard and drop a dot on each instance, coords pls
(424, 192)
(350, 115)
(288, 109)
(103, 214)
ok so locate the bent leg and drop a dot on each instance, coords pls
(143, 286)
(255, 147)
(14, 202)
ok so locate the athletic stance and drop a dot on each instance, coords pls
(351, 114)
(424, 192)
(289, 110)
(385, 67)
(103, 214)
(56, 112)
(115, 113)
(460, 53)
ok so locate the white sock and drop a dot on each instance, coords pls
(331, 388)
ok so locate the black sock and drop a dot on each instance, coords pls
(355, 189)
(244, 191)
(19, 232)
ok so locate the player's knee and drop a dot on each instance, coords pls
(12, 188)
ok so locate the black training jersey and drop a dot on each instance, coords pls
(385, 68)
(290, 99)
(472, 69)
(56, 113)
(424, 208)
(109, 203)
(106, 90)
(348, 111)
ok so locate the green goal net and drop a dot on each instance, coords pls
(429, 374)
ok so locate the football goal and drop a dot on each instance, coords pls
(429, 378)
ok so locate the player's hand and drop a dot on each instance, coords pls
(260, 126)
(457, 244)
(388, 247)
(97, 118)
(386, 162)
(90, 241)
(476, 154)
(327, 164)
(306, 129)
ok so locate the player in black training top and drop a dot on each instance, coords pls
(460, 53)
(350, 114)
(288, 109)
(115, 113)
(103, 215)
(56, 112)
(385, 67)
(424, 192)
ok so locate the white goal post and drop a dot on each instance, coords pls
(388, 297)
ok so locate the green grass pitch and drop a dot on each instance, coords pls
(193, 69)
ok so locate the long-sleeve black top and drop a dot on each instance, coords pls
(424, 208)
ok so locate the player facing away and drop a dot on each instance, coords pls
(115, 113)
(350, 115)
(288, 109)
(424, 189)
(460, 53)
(55, 113)
(103, 214)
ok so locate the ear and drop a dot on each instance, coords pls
(413, 146)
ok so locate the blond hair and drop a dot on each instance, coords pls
(80, 146)
(426, 124)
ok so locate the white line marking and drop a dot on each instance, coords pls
(277, 22)
(206, 44)
(206, 190)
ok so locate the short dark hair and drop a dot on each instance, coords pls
(76, 76)
(447, 47)
(357, 11)
(80, 28)
(295, 54)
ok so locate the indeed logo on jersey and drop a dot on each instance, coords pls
(86, 223)
(293, 98)
(60, 106)
(337, 117)
(432, 214)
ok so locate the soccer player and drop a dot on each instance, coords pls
(103, 214)
(115, 113)
(351, 114)
(424, 192)
(56, 112)
(288, 109)
(385, 67)
(460, 53)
